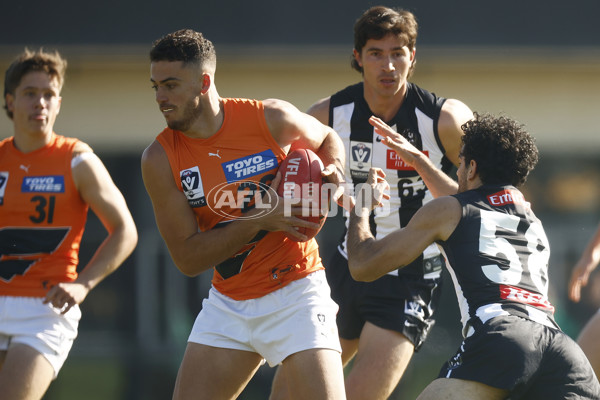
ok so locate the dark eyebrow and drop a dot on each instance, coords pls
(165, 80)
(39, 88)
(374, 48)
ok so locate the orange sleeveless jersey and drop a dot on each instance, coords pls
(42, 218)
(220, 176)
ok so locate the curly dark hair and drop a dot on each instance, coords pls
(51, 63)
(504, 151)
(378, 22)
(185, 45)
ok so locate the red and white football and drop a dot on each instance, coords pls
(301, 179)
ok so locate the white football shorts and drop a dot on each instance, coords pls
(27, 320)
(297, 317)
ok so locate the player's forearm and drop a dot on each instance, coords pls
(109, 256)
(438, 183)
(360, 246)
(332, 151)
(203, 250)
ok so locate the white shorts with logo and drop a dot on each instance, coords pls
(297, 317)
(27, 320)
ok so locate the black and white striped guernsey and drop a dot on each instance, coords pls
(498, 258)
(417, 120)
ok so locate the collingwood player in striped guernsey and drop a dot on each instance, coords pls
(382, 323)
(498, 255)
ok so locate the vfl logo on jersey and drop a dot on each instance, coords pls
(43, 184)
(505, 197)
(360, 159)
(249, 166)
(394, 161)
(191, 182)
(360, 155)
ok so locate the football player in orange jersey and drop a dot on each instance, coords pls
(47, 184)
(269, 298)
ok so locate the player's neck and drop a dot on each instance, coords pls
(209, 123)
(385, 107)
(28, 142)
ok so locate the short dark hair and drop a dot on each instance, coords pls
(29, 61)
(185, 45)
(504, 151)
(378, 22)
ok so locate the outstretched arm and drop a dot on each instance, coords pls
(438, 183)
(370, 258)
(453, 114)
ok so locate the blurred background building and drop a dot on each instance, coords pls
(538, 62)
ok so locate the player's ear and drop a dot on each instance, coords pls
(206, 82)
(472, 170)
(357, 57)
(9, 100)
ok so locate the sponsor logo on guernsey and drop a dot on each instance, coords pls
(393, 161)
(505, 197)
(521, 295)
(191, 182)
(249, 166)
(43, 184)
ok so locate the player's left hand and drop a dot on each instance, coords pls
(372, 192)
(65, 295)
(395, 141)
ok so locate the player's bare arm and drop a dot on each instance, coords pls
(97, 189)
(438, 183)
(320, 110)
(291, 127)
(193, 251)
(368, 258)
(453, 115)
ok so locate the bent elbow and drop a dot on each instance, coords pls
(133, 238)
(360, 272)
(187, 270)
(189, 267)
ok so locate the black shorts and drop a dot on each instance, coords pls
(529, 359)
(403, 303)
